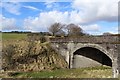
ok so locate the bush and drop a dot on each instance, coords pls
(13, 73)
(42, 39)
(8, 53)
(36, 37)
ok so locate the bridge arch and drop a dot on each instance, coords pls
(91, 55)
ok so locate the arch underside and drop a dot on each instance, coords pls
(90, 57)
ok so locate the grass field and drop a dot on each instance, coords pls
(95, 72)
(17, 36)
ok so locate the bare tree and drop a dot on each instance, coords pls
(55, 28)
(74, 30)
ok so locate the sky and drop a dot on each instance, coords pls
(93, 16)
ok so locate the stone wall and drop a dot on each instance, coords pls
(83, 39)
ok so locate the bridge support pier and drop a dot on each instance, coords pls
(71, 61)
(118, 59)
(116, 62)
(115, 70)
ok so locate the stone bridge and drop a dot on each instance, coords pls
(89, 51)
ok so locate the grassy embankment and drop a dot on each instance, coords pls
(95, 72)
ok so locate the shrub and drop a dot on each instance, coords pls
(8, 53)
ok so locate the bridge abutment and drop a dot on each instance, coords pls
(118, 60)
(115, 71)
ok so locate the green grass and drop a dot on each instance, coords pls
(8, 36)
(95, 72)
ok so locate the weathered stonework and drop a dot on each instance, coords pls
(105, 45)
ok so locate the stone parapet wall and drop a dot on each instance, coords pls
(87, 39)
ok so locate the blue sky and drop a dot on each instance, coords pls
(93, 16)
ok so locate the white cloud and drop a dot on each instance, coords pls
(21, 0)
(97, 10)
(54, 6)
(50, 5)
(7, 23)
(113, 30)
(50, 1)
(97, 29)
(45, 19)
(92, 27)
(0, 4)
(13, 7)
(85, 12)
(37, 1)
(31, 7)
(0, 21)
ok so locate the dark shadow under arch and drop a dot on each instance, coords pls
(93, 54)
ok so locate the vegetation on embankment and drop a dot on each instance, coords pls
(94, 72)
(30, 53)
